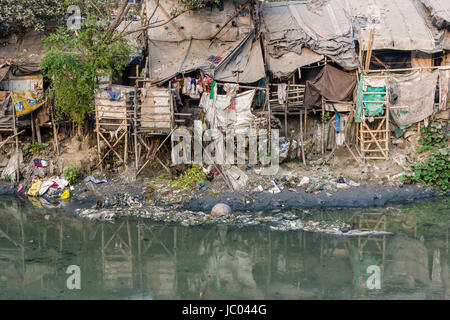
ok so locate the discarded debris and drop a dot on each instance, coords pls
(94, 180)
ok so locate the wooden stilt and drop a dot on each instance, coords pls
(17, 145)
(38, 130)
(33, 135)
(302, 141)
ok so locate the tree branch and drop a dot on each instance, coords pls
(123, 10)
(155, 25)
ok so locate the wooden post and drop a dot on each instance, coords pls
(322, 147)
(33, 136)
(17, 144)
(285, 112)
(38, 130)
(302, 140)
(305, 135)
(136, 154)
(55, 132)
(97, 130)
(125, 156)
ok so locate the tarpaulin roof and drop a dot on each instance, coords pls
(240, 61)
(291, 61)
(440, 11)
(330, 27)
(200, 24)
(398, 24)
(27, 50)
(325, 28)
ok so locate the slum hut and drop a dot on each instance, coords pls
(116, 103)
(311, 60)
(216, 53)
(404, 69)
(22, 102)
(389, 40)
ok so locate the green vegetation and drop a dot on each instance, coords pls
(433, 137)
(72, 173)
(74, 60)
(17, 16)
(34, 149)
(436, 169)
(190, 179)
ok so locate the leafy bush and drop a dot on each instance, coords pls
(72, 173)
(22, 15)
(34, 148)
(436, 169)
(74, 62)
(433, 137)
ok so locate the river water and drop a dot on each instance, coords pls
(138, 259)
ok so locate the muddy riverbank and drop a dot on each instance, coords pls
(116, 194)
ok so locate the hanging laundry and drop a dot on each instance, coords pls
(200, 86)
(231, 89)
(338, 122)
(114, 95)
(194, 94)
(185, 86)
(214, 59)
(189, 84)
(212, 85)
(281, 92)
(207, 81)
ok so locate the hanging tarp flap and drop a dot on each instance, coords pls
(415, 91)
(288, 63)
(331, 83)
(26, 102)
(167, 59)
(244, 64)
(238, 61)
(323, 27)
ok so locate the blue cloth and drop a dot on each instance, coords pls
(338, 122)
(114, 95)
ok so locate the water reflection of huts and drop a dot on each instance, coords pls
(170, 261)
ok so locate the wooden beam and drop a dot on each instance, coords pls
(10, 137)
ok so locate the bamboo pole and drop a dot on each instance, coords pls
(17, 144)
(136, 155)
(229, 19)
